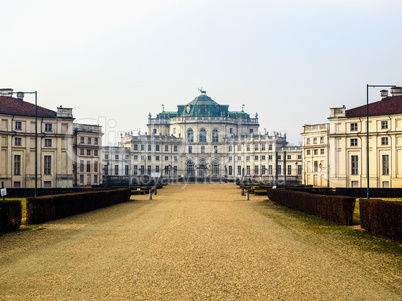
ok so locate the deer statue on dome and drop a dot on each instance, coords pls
(202, 92)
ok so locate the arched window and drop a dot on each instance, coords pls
(190, 168)
(202, 170)
(203, 135)
(215, 168)
(215, 137)
(190, 135)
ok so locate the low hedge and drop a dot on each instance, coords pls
(337, 209)
(46, 208)
(10, 215)
(380, 217)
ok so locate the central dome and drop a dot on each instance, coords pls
(203, 100)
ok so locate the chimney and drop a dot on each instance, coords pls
(383, 94)
(6, 92)
(396, 91)
(20, 95)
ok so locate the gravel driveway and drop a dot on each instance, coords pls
(198, 242)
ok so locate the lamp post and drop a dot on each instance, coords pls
(21, 94)
(367, 124)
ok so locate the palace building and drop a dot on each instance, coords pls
(204, 139)
(335, 153)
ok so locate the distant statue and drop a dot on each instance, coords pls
(202, 92)
(256, 115)
(149, 115)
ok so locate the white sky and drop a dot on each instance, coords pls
(115, 61)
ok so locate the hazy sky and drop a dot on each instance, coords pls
(115, 61)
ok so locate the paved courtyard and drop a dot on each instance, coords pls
(196, 242)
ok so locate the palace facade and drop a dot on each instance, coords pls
(204, 139)
(335, 153)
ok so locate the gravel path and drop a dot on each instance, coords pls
(199, 242)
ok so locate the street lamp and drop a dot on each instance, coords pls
(367, 110)
(21, 95)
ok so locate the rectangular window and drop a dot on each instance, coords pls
(126, 170)
(263, 170)
(248, 170)
(248, 158)
(95, 166)
(238, 158)
(263, 147)
(149, 147)
(116, 157)
(135, 157)
(166, 148)
(157, 168)
(106, 171)
(82, 179)
(230, 170)
(116, 170)
(289, 157)
(175, 170)
(96, 141)
(315, 166)
(308, 141)
(142, 158)
(202, 149)
(190, 149)
(322, 151)
(270, 147)
(278, 157)
(299, 169)
(157, 158)
(239, 148)
(269, 157)
(175, 158)
(149, 158)
(279, 169)
(215, 149)
(321, 139)
(47, 184)
(289, 170)
(315, 140)
(231, 130)
(175, 148)
(82, 140)
(106, 157)
(135, 147)
(135, 167)
(256, 170)
(95, 179)
(248, 148)
(88, 152)
(81, 165)
(262, 158)
(17, 184)
(384, 140)
(385, 164)
(88, 179)
(353, 126)
(142, 147)
(48, 127)
(230, 158)
(251, 131)
(239, 170)
(18, 141)
(95, 152)
(316, 152)
(384, 125)
(355, 165)
(299, 157)
(18, 125)
(157, 147)
(256, 158)
(270, 169)
(166, 158)
(89, 140)
(47, 165)
(230, 148)
(48, 142)
(256, 147)
(17, 165)
(142, 169)
(353, 142)
(154, 131)
(88, 166)
(149, 170)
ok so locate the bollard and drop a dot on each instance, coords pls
(248, 195)
(242, 191)
(150, 194)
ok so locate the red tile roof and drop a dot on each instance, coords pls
(387, 106)
(14, 106)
